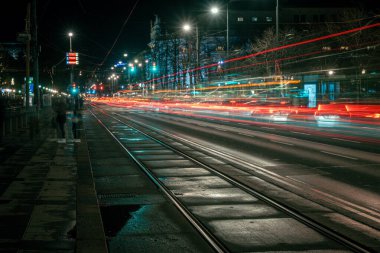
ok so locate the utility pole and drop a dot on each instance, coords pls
(197, 72)
(227, 33)
(27, 59)
(36, 89)
(277, 21)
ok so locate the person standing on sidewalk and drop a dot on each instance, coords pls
(75, 124)
(60, 110)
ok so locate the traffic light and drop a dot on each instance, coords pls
(154, 67)
(74, 89)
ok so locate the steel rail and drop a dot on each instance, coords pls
(341, 239)
(211, 240)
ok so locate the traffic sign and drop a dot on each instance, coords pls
(72, 58)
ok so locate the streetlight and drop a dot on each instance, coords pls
(72, 66)
(187, 28)
(70, 35)
(277, 20)
(215, 11)
(113, 79)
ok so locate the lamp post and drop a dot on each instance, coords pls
(187, 28)
(215, 10)
(70, 35)
(113, 79)
(277, 20)
(154, 70)
(72, 66)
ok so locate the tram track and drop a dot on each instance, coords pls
(176, 194)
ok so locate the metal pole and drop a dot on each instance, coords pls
(277, 20)
(36, 90)
(197, 68)
(227, 36)
(27, 59)
(71, 75)
(72, 67)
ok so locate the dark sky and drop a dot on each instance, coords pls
(96, 24)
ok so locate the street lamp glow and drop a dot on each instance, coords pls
(214, 10)
(136, 61)
(125, 55)
(70, 35)
(331, 72)
(186, 27)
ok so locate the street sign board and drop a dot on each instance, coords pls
(72, 58)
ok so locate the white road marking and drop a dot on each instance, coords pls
(300, 133)
(330, 153)
(268, 128)
(346, 140)
(285, 143)
(249, 135)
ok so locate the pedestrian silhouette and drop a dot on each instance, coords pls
(75, 123)
(60, 110)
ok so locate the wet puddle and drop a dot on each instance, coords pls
(115, 217)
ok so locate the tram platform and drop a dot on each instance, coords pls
(48, 202)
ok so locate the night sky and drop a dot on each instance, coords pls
(96, 25)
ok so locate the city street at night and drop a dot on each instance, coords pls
(203, 126)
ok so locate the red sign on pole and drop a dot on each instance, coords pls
(72, 58)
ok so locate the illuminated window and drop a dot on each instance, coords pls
(254, 19)
(220, 48)
(269, 19)
(240, 19)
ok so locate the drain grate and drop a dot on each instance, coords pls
(116, 196)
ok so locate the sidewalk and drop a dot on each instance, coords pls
(38, 202)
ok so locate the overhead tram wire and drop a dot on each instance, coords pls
(299, 43)
(119, 34)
